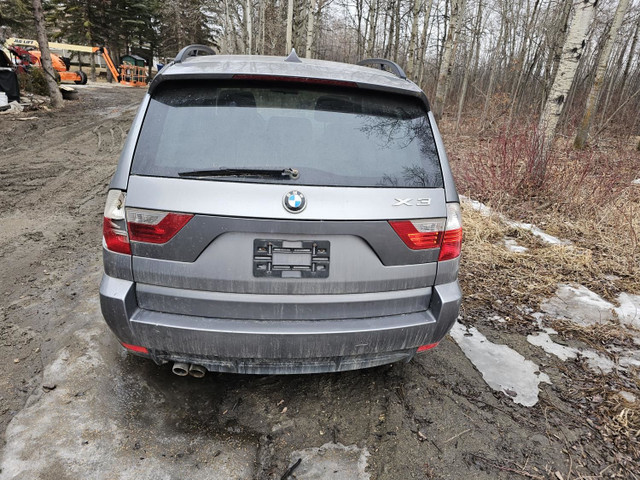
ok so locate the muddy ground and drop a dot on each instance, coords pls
(74, 405)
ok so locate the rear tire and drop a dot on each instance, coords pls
(83, 79)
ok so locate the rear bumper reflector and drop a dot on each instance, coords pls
(424, 348)
(135, 348)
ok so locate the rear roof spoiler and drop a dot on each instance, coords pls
(192, 51)
(393, 67)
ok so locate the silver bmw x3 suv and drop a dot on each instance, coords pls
(273, 215)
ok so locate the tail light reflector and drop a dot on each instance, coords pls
(451, 244)
(135, 348)
(151, 226)
(420, 234)
(424, 348)
(424, 234)
(452, 239)
(114, 229)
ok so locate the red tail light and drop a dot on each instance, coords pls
(433, 233)
(151, 226)
(420, 234)
(424, 348)
(452, 240)
(451, 244)
(114, 229)
(135, 348)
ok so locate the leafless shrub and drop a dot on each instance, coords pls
(584, 195)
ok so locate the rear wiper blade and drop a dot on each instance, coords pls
(292, 173)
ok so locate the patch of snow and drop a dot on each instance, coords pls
(594, 360)
(504, 369)
(498, 319)
(486, 211)
(543, 340)
(513, 246)
(626, 357)
(629, 361)
(636, 181)
(581, 305)
(545, 237)
(629, 310)
(539, 316)
(478, 206)
(331, 460)
(578, 304)
(597, 362)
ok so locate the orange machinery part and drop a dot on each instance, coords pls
(59, 66)
(131, 75)
(107, 58)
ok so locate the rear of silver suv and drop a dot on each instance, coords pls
(272, 216)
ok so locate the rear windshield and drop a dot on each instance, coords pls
(333, 137)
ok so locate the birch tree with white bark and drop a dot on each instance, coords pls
(594, 93)
(289, 27)
(572, 51)
(455, 21)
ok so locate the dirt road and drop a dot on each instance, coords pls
(74, 405)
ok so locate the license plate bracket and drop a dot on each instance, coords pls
(291, 258)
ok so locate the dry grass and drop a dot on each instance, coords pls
(597, 336)
(493, 276)
(622, 424)
(618, 420)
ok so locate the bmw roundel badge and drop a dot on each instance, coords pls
(294, 201)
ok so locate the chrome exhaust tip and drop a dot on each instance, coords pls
(180, 369)
(197, 371)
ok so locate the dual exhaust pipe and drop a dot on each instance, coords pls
(183, 369)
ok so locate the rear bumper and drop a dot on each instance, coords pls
(277, 346)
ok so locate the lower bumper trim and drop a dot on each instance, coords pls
(277, 346)
(294, 366)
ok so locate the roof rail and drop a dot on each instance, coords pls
(392, 66)
(192, 51)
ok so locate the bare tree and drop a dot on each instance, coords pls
(45, 55)
(289, 26)
(457, 10)
(413, 38)
(524, 49)
(572, 50)
(592, 101)
(467, 72)
(373, 27)
(310, 17)
(424, 38)
(227, 48)
(493, 73)
(625, 74)
(247, 16)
